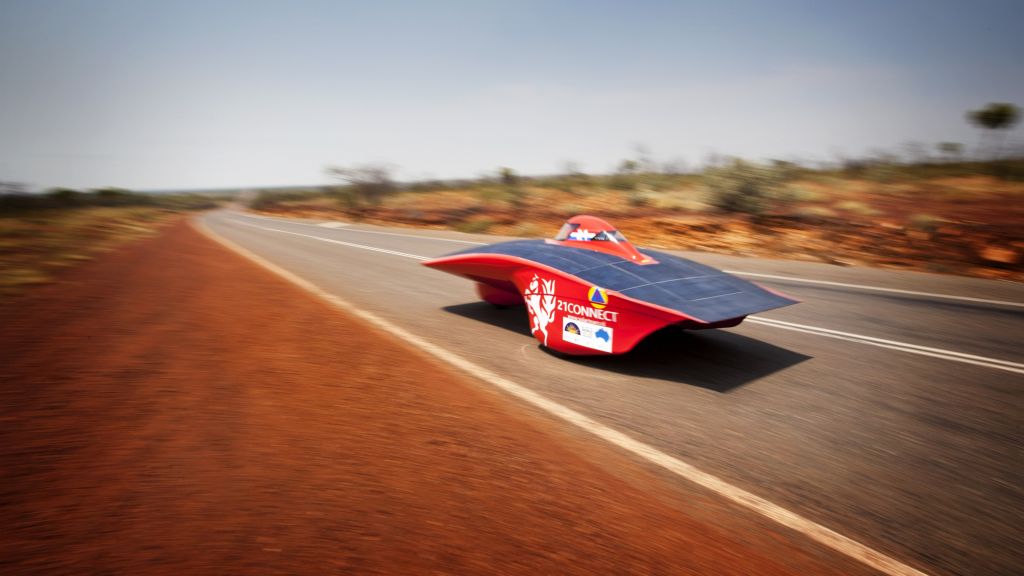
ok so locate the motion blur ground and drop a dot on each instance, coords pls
(906, 453)
(170, 408)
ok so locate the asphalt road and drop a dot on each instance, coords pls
(900, 427)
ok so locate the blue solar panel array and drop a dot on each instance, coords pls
(694, 289)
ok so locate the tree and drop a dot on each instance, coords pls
(9, 187)
(915, 152)
(995, 119)
(629, 166)
(571, 168)
(952, 151)
(365, 183)
(676, 166)
(65, 196)
(572, 177)
(644, 160)
(507, 176)
(625, 178)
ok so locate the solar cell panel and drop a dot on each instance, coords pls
(676, 283)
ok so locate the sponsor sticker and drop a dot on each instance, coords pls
(587, 335)
(587, 312)
(540, 303)
(598, 297)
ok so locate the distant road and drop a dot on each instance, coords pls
(888, 406)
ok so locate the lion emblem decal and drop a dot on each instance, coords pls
(540, 303)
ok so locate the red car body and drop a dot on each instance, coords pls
(570, 311)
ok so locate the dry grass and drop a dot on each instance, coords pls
(35, 246)
(814, 213)
(856, 207)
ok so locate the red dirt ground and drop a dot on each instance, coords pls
(172, 408)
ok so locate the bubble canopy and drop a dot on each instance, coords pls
(592, 233)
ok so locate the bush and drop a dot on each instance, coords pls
(642, 196)
(814, 213)
(270, 199)
(66, 196)
(62, 198)
(474, 226)
(120, 197)
(787, 171)
(741, 186)
(516, 196)
(186, 201)
(924, 222)
(856, 207)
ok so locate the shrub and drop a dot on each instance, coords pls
(474, 226)
(642, 196)
(269, 199)
(61, 198)
(569, 210)
(678, 201)
(66, 197)
(120, 197)
(741, 186)
(624, 182)
(924, 222)
(516, 195)
(856, 207)
(526, 229)
(814, 213)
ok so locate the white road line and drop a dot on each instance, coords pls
(439, 239)
(681, 468)
(333, 224)
(878, 289)
(893, 345)
(332, 241)
(414, 236)
(995, 363)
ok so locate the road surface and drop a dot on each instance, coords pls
(888, 406)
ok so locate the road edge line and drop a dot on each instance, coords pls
(949, 355)
(826, 536)
(870, 288)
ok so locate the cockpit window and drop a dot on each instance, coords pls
(572, 231)
(567, 229)
(612, 235)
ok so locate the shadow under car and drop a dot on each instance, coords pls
(718, 360)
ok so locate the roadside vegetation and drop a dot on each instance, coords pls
(940, 213)
(937, 207)
(41, 234)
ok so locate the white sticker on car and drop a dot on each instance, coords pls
(588, 335)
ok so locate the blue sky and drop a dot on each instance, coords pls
(146, 94)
